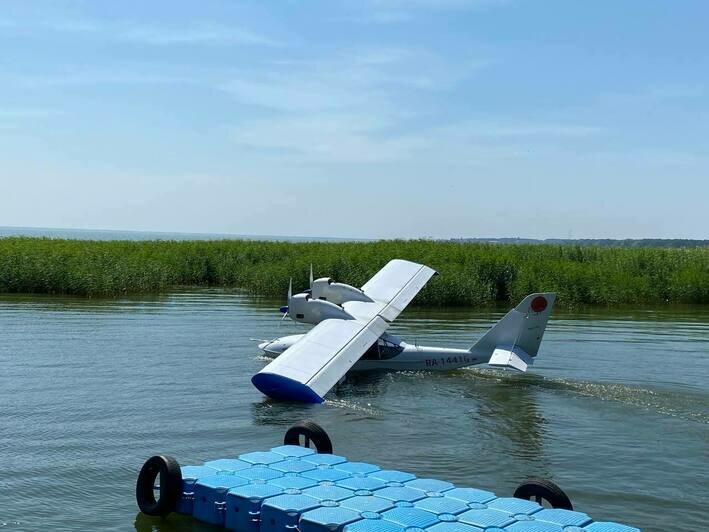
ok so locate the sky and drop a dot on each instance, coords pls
(357, 118)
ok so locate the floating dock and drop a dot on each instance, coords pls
(294, 489)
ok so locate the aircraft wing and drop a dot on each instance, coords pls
(309, 368)
(393, 287)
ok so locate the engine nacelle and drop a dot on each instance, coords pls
(304, 308)
(325, 289)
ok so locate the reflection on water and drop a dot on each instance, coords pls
(516, 403)
(276, 413)
(171, 523)
(91, 388)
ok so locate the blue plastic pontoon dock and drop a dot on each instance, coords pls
(291, 488)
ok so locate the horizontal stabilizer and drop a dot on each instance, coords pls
(514, 358)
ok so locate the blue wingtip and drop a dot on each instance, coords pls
(284, 389)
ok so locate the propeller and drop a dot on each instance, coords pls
(284, 308)
(311, 276)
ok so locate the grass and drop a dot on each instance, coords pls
(471, 273)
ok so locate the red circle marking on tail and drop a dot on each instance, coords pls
(539, 303)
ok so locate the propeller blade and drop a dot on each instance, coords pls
(311, 275)
(285, 315)
(285, 308)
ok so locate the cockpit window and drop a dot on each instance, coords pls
(372, 353)
(389, 351)
(382, 350)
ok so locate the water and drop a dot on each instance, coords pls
(616, 409)
(110, 234)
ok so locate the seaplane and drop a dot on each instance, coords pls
(350, 333)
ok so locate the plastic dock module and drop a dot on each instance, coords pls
(292, 489)
(210, 497)
(190, 474)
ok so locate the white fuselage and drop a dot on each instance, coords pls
(391, 354)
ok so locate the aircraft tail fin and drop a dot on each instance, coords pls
(514, 341)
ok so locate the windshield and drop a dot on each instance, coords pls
(382, 350)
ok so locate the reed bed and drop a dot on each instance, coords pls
(470, 273)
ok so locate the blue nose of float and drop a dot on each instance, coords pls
(284, 309)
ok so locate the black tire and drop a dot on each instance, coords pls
(543, 490)
(170, 486)
(313, 433)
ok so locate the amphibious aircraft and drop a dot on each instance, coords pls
(350, 333)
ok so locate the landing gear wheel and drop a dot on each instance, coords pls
(543, 490)
(170, 486)
(311, 432)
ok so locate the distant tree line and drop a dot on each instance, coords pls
(604, 242)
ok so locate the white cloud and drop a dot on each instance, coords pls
(293, 93)
(322, 139)
(148, 34)
(655, 95)
(366, 139)
(137, 74)
(58, 24)
(396, 11)
(196, 35)
(9, 113)
(433, 4)
(371, 80)
(520, 130)
(364, 106)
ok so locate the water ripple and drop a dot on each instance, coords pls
(90, 388)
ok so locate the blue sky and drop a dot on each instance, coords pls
(362, 118)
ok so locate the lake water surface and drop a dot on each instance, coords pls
(615, 410)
